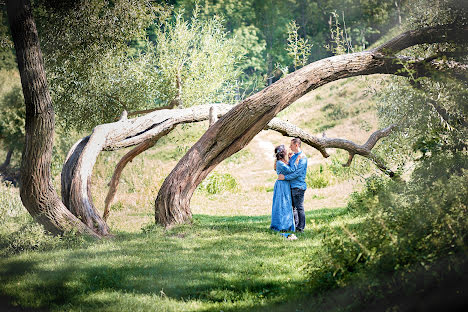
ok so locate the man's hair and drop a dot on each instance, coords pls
(296, 141)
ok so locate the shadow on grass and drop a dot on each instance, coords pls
(216, 260)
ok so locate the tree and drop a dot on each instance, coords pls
(36, 190)
(434, 110)
(232, 132)
(183, 51)
(240, 125)
(93, 68)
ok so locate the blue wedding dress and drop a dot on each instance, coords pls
(282, 218)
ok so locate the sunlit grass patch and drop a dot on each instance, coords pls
(218, 262)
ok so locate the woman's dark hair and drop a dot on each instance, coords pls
(280, 152)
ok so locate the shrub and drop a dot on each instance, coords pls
(317, 178)
(404, 223)
(361, 202)
(217, 183)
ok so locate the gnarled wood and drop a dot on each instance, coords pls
(239, 126)
(37, 192)
(80, 161)
(114, 183)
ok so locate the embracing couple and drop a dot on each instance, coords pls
(288, 197)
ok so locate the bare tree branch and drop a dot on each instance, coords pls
(321, 144)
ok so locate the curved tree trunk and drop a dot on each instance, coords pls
(141, 131)
(37, 192)
(239, 126)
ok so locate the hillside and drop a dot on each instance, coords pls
(344, 109)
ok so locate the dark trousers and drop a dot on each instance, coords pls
(298, 208)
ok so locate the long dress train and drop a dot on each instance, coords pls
(282, 218)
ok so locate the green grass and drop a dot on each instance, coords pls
(218, 263)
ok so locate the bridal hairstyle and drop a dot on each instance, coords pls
(280, 152)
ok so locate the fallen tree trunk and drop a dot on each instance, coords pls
(238, 127)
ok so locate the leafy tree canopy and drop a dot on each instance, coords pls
(100, 60)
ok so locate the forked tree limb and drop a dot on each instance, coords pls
(114, 183)
(321, 144)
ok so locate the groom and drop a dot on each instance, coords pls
(298, 185)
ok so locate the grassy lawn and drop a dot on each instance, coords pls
(218, 263)
(227, 260)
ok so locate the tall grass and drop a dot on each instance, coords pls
(19, 232)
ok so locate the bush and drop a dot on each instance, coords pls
(217, 183)
(317, 178)
(404, 223)
(362, 202)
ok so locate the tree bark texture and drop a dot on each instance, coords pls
(238, 127)
(142, 131)
(37, 192)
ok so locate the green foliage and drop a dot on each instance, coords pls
(325, 175)
(94, 67)
(432, 111)
(217, 183)
(19, 232)
(12, 110)
(298, 48)
(7, 55)
(92, 71)
(195, 60)
(252, 47)
(363, 201)
(317, 178)
(340, 39)
(404, 223)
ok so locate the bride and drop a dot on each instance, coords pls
(282, 218)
